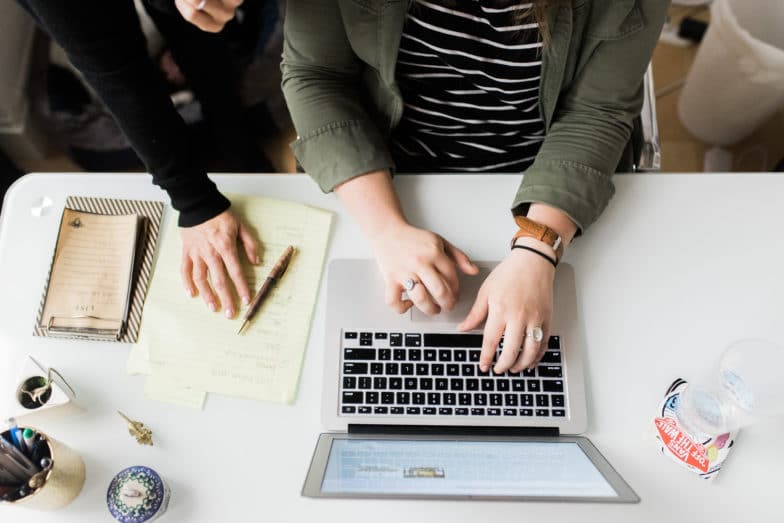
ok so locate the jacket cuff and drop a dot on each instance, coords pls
(576, 189)
(342, 150)
(196, 205)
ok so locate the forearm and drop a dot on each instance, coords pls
(372, 201)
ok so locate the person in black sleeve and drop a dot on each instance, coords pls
(104, 41)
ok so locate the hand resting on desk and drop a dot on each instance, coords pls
(211, 263)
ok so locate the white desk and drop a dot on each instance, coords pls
(677, 267)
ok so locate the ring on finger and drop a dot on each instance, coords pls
(535, 333)
(201, 5)
(409, 284)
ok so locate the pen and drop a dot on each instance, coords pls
(275, 274)
(28, 436)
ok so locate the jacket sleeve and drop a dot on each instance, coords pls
(593, 119)
(336, 137)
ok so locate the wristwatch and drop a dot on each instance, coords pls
(532, 229)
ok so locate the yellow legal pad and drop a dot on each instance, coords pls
(186, 350)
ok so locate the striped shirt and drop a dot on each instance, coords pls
(469, 75)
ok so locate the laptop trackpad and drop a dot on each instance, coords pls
(469, 287)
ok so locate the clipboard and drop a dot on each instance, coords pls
(123, 329)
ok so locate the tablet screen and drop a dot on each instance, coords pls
(467, 468)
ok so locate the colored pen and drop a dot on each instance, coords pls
(27, 437)
(275, 274)
(16, 437)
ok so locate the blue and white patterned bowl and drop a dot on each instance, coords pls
(137, 495)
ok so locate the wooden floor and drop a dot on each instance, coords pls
(681, 152)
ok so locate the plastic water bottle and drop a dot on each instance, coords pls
(745, 386)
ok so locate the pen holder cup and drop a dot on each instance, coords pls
(62, 483)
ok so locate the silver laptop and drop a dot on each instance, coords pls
(411, 415)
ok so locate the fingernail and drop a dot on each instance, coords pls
(229, 313)
(245, 300)
(257, 260)
(213, 308)
(483, 367)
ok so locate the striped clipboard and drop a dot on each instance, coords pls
(153, 211)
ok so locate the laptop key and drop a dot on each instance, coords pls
(518, 385)
(384, 354)
(380, 410)
(433, 398)
(552, 385)
(399, 354)
(460, 355)
(430, 411)
(380, 335)
(464, 398)
(444, 355)
(392, 369)
(480, 372)
(529, 373)
(377, 368)
(422, 369)
(502, 385)
(534, 386)
(474, 355)
(437, 369)
(364, 410)
(414, 354)
(450, 398)
(510, 400)
(551, 356)
(461, 412)
(365, 342)
(403, 398)
(355, 368)
(348, 409)
(496, 400)
(554, 342)
(480, 399)
(371, 397)
(442, 384)
(364, 382)
(410, 384)
(477, 412)
(395, 383)
(550, 371)
(526, 400)
(542, 400)
(558, 400)
(379, 383)
(493, 412)
(560, 413)
(468, 369)
(359, 354)
(395, 340)
(350, 335)
(413, 340)
(353, 397)
(488, 384)
(453, 340)
(453, 369)
(413, 411)
(472, 384)
(445, 411)
(397, 410)
(349, 382)
(456, 384)
(526, 412)
(510, 412)
(430, 355)
(543, 412)
(407, 369)
(426, 383)
(387, 398)
(418, 398)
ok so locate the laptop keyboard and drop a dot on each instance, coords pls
(437, 374)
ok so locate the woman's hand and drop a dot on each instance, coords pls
(209, 254)
(515, 298)
(208, 15)
(404, 252)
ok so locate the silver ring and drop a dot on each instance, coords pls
(201, 5)
(536, 333)
(409, 283)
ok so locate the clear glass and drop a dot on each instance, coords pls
(743, 387)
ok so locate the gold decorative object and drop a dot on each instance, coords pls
(137, 429)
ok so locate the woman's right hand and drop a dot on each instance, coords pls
(404, 252)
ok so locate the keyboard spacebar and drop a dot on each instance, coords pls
(453, 340)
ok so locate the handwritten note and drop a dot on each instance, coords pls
(193, 350)
(89, 287)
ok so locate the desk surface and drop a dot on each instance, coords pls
(677, 267)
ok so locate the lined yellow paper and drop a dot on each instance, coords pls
(191, 350)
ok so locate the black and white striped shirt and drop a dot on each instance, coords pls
(469, 75)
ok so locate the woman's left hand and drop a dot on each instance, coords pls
(515, 298)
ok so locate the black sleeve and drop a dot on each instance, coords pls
(103, 39)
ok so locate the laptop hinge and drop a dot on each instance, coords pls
(440, 430)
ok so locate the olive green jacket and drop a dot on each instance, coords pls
(338, 66)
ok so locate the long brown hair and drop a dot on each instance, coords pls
(540, 11)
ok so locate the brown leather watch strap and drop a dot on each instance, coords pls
(536, 230)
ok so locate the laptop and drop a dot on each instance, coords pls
(410, 415)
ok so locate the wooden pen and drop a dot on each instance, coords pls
(274, 275)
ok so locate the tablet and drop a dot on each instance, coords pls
(560, 468)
